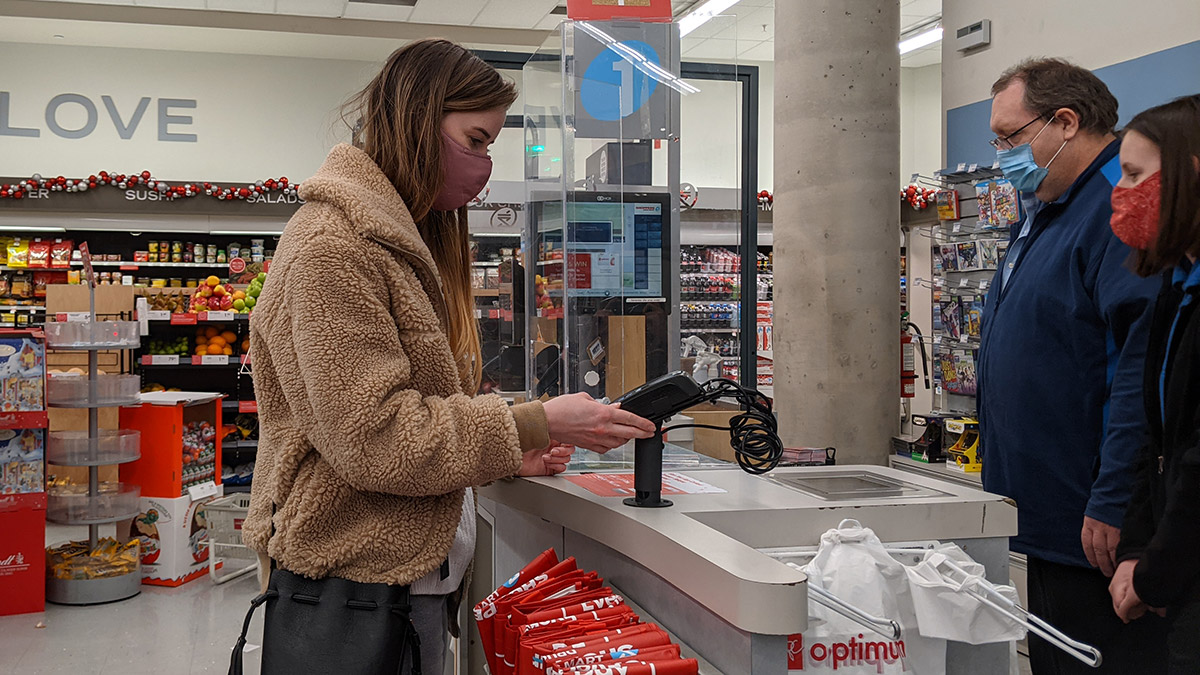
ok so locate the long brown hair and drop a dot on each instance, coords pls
(397, 121)
(1175, 128)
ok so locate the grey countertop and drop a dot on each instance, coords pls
(707, 545)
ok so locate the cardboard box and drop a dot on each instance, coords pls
(713, 442)
(22, 374)
(181, 445)
(23, 553)
(22, 455)
(174, 537)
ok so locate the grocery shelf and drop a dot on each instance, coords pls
(68, 505)
(686, 329)
(237, 489)
(22, 308)
(94, 591)
(239, 445)
(75, 448)
(130, 263)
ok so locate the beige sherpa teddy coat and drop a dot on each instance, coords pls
(368, 435)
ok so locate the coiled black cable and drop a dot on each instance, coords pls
(753, 433)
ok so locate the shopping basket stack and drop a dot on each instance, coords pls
(225, 518)
(553, 618)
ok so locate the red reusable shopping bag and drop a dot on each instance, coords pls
(608, 621)
(598, 651)
(648, 655)
(504, 637)
(485, 611)
(635, 667)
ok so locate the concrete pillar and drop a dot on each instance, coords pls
(836, 224)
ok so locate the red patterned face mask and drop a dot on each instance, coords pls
(1135, 212)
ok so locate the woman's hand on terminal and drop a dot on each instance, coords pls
(549, 461)
(578, 419)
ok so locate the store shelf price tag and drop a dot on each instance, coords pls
(973, 168)
(158, 315)
(183, 319)
(247, 406)
(957, 226)
(983, 285)
(73, 317)
(210, 360)
(244, 359)
(962, 167)
(216, 316)
(962, 283)
(203, 490)
(964, 338)
(160, 360)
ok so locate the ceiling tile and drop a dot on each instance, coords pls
(763, 51)
(514, 13)
(922, 57)
(754, 3)
(756, 26)
(453, 12)
(329, 8)
(714, 48)
(363, 10)
(714, 26)
(260, 6)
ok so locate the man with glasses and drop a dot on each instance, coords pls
(1060, 366)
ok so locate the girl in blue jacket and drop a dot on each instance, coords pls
(1156, 210)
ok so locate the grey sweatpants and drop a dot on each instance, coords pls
(429, 616)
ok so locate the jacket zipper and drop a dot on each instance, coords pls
(440, 300)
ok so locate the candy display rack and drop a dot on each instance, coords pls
(102, 502)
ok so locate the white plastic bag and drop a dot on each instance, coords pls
(852, 564)
(945, 607)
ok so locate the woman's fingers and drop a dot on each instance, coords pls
(625, 418)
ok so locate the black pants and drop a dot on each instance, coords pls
(1183, 641)
(1076, 601)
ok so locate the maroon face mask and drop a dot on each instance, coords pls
(1135, 212)
(466, 174)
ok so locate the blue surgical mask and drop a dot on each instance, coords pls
(1019, 166)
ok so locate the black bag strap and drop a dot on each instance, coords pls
(235, 661)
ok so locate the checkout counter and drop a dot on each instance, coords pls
(710, 569)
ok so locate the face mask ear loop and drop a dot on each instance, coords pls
(1060, 149)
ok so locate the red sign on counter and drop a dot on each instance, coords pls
(621, 484)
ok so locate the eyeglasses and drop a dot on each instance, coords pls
(1004, 144)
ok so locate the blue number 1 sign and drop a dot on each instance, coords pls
(613, 88)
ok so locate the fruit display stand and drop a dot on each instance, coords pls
(179, 475)
(93, 574)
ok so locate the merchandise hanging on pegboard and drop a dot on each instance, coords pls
(36, 183)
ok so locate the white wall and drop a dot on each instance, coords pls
(1092, 33)
(920, 121)
(255, 116)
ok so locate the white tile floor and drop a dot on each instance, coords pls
(190, 629)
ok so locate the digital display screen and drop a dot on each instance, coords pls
(615, 249)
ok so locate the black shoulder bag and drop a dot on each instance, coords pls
(332, 625)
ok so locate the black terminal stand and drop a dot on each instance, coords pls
(647, 472)
(656, 401)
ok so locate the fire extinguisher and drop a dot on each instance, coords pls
(908, 359)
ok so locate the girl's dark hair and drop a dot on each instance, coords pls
(1175, 128)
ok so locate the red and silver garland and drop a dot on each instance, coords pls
(917, 196)
(765, 198)
(123, 181)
